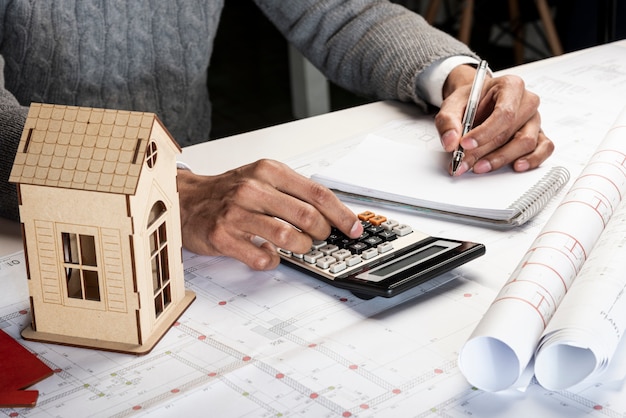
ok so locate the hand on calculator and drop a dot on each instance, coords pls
(388, 258)
(223, 214)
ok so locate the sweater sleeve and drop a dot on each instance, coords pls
(12, 119)
(371, 47)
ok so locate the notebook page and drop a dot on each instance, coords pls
(383, 168)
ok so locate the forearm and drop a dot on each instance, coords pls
(371, 47)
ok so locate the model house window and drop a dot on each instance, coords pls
(158, 258)
(81, 267)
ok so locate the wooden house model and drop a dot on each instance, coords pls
(100, 219)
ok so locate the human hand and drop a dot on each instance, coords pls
(507, 128)
(223, 214)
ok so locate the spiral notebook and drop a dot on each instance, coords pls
(380, 170)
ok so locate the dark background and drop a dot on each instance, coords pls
(249, 73)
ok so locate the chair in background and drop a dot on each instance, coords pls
(516, 24)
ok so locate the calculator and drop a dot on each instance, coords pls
(388, 258)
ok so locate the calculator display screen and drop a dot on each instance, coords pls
(398, 265)
(408, 261)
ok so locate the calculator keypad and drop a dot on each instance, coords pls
(338, 254)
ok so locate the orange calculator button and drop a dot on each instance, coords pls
(377, 220)
(366, 216)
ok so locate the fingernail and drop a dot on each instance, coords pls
(522, 165)
(482, 166)
(469, 143)
(464, 167)
(356, 230)
(448, 138)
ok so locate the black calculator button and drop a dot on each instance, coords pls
(363, 236)
(373, 241)
(375, 230)
(358, 247)
(387, 235)
(334, 238)
(345, 243)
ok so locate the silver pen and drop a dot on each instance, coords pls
(470, 112)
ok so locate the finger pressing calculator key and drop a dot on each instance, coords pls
(387, 259)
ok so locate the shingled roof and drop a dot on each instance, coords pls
(82, 148)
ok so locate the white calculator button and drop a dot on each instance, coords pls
(353, 260)
(297, 255)
(311, 257)
(389, 224)
(369, 253)
(328, 249)
(384, 247)
(317, 244)
(325, 262)
(341, 254)
(402, 230)
(337, 267)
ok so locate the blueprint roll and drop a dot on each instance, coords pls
(584, 343)
(500, 352)
(495, 358)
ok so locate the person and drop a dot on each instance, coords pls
(153, 56)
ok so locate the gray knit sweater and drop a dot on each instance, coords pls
(153, 55)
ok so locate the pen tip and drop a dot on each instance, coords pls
(455, 168)
(457, 158)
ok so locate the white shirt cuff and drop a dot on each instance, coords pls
(430, 81)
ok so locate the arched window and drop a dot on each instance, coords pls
(157, 231)
(157, 210)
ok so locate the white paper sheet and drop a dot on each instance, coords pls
(387, 169)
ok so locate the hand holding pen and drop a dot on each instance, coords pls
(470, 112)
(509, 131)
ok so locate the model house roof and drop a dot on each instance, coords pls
(83, 148)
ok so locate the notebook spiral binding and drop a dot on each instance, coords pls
(535, 199)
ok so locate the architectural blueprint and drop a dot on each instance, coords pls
(280, 343)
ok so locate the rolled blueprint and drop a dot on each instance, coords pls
(580, 342)
(503, 343)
